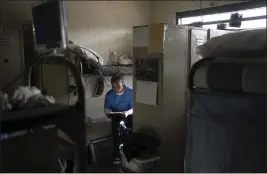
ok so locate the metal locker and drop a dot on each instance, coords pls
(11, 59)
(198, 36)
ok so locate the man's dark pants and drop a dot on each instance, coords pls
(118, 132)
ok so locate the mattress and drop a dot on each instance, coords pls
(92, 67)
(230, 74)
(226, 133)
(238, 44)
(226, 130)
(32, 113)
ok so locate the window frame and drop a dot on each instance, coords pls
(224, 9)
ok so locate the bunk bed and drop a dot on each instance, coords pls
(69, 120)
(94, 68)
(91, 63)
(227, 110)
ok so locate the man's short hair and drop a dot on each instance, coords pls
(116, 79)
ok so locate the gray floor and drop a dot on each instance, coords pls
(98, 168)
(103, 166)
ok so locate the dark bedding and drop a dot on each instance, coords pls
(93, 67)
(226, 133)
(226, 127)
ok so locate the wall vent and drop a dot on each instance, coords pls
(5, 40)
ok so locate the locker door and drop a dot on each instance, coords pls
(198, 37)
(11, 63)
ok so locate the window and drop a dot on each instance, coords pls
(252, 18)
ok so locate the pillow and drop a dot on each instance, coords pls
(247, 43)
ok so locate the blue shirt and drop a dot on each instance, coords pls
(119, 103)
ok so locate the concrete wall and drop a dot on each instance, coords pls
(101, 25)
(17, 10)
(104, 26)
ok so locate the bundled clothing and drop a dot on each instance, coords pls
(25, 97)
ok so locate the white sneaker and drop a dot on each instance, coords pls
(122, 123)
(121, 147)
(117, 161)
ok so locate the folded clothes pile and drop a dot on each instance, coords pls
(24, 97)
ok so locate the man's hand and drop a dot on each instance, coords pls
(129, 112)
(125, 113)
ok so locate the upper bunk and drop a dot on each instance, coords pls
(106, 70)
(91, 63)
(234, 62)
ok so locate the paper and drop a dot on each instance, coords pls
(146, 92)
(114, 113)
(140, 37)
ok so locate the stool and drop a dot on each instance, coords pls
(92, 146)
(98, 132)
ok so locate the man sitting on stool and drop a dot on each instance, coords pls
(119, 99)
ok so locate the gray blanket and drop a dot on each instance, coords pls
(93, 67)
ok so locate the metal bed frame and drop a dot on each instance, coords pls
(70, 119)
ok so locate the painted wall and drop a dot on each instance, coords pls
(106, 26)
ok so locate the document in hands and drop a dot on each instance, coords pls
(114, 113)
(111, 114)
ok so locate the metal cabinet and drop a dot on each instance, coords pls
(11, 59)
(16, 52)
(198, 36)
